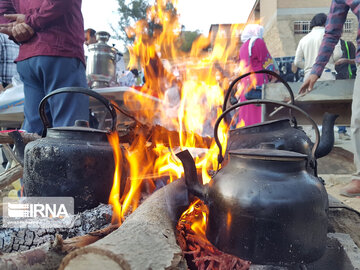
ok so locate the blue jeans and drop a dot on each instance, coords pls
(341, 129)
(44, 74)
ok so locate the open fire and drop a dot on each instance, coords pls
(190, 103)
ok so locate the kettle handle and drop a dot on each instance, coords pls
(263, 71)
(81, 90)
(260, 101)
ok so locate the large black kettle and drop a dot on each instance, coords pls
(285, 134)
(72, 161)
(264, 205)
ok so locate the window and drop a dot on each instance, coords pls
(301, 27)
(348, 26)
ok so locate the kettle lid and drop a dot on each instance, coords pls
(269, 154)
(80, 130)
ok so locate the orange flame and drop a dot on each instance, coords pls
(188, 103)
(228, 220)
(114, 198)
(199, 222)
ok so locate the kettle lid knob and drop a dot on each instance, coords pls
(82, 123)
(267, 145)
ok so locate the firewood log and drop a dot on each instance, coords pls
(146, 239)
(49, 255)
(15, 239)
(27, 137)
(11, 175)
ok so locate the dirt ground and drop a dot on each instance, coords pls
(337, 169)
(334, 183)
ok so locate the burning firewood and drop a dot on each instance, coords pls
(146, 239)
(161, 134)
(71, 244)
(197, 249)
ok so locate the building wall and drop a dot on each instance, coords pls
(303, 3)
(278, 17)
(268, 11)
(254, 15)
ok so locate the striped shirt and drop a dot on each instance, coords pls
(9, 50)
(333, 30)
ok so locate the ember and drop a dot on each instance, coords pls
(199, 252)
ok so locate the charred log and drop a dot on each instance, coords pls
(15, 239)
(49, 255)
(160, 134)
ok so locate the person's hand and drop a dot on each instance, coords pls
(345, 61)
(17, 18)
(308, 85)
(22, 32)
(341, 61)
(7, 28)
(17, 29)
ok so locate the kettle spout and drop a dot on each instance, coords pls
(191, 179)
(327, 135)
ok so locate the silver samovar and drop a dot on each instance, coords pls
(101, 62)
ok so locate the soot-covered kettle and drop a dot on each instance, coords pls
(72, 161)
(264, 204)
(284, 133)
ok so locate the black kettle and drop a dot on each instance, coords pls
(72, 161)
(285, 134)
(264, 205)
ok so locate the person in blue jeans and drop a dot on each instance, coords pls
(333, 30)
(51, 56)
(345, 70)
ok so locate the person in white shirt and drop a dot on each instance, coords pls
(309, 46)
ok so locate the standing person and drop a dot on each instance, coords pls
(253, 56)
(90, 38)
(345, 66)
(333, 30)
(309, 46)
(307, 51)
(51, 56)
(9, 50)
(345, 70)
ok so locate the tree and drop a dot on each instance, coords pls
(187, 38)
(130, 12)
